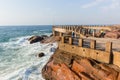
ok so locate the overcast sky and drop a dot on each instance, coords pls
(55, 12)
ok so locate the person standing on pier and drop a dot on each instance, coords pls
(73, 34)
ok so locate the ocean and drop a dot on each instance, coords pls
(18, 60)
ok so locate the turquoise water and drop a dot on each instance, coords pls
(8, 32)
(18, 57)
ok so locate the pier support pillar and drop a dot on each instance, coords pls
(93, 44)
(93, 33)
(60, 34)
(108, 47)
(62, 39)
(70, 40)
(80, 42)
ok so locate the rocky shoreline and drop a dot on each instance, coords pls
(43, 39)
(67, 66)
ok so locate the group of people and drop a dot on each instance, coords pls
(88, 32)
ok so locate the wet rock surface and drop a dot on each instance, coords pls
(68, 66)
(35, 39)
(41, 54)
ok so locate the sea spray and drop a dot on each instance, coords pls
(32, 68)
(17, 56)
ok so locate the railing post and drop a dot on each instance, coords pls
(93, 44)
(60, 34)
(68, 28)
(108, 47)
(80, 42)
(72, 29)
(93, 33)
(75, 30)
(70, 40)
(62, 39)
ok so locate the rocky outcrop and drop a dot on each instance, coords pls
(44, 36)
(34, 39)
(41, 54)
(67, 66)
(113, 34)
(51, 39)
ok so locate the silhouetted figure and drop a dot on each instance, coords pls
(102, 33)
(73, 34)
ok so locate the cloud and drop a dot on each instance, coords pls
(115, 4)
(92, 4)
(111, 4)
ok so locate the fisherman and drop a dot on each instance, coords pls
(73, 34)
(102, 33)
(52, 49)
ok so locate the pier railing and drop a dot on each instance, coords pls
(81, 30)
(90, 49)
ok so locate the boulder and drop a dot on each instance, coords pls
(34, 39)
(44, 36)
(41, 54)
(51, 35)
(112, 34)
(115, 33)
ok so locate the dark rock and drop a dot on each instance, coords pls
(44, 36)
(52, 49)
(34, 39)
(31, 38)
(41, 54)
(51, 35)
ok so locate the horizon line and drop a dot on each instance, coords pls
(52, 24)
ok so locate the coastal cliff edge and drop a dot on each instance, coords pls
(67, 66)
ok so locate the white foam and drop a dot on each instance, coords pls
(24, 59)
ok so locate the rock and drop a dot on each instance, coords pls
(52, 49)
(34, 39)
(44, 36)
(67, 66)
(51, 35)
(51, 39)
(41, 54)
(31, 38)
(113, 34)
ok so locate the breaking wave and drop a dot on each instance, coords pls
(19, 61)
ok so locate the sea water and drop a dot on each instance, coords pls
(18, 58)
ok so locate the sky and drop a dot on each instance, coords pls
(59, 12)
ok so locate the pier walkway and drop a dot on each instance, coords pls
(99, 49)
(81, 31)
